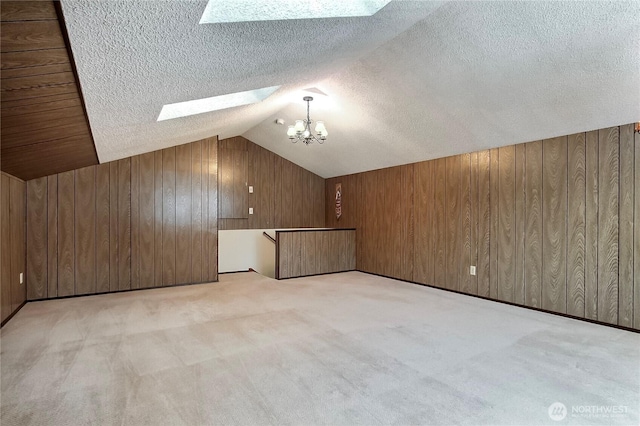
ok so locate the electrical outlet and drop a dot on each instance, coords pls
(472, 270)
(251, 190)
(250, 210)
(21, 278)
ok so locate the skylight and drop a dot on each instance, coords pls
(199, 106)
(219, 11)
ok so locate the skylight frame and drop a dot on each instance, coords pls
(227, 11)
(214, 103)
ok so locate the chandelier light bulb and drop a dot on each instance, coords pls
(319, 127)
(291, 132)
(299, 126)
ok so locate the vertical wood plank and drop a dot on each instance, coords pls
(379, 232)
(608, 222)
(196, 212)
(205, 208)
(319, 204)
(297, 194)
(465, 224)
(484, 223)
(18, 195)
(66, 272)
(254, 172)
(506, 233)
(135, 222)
(533, 237)
(351, 250)
(284, 260)
(36, 239)
(361, 247)
(307, 252)
(113, 226)
(226, 183)
(591, 226)
(554, 223)
(494, 183)
(520, 223)
(102, 228)
(440, 257)
(124, 224)
(287, 194)
(636, 234)
(158, 219)
(474, 207)
(183, 214)
(5, 234)
(576, 224)
(423, 255)
(313, 202)
(85, 230)
(240, 192)
(626, 267)
(324, 252)
(367, 191)
(306, 199)
(407, 236)
(453, 239)
(388, 219)
(266, 196)
(169, 216)
(296, 259)
(278, 219)
(213, 210)
(147, 220)
(52, 236)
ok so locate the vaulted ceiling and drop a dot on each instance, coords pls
(417, 80)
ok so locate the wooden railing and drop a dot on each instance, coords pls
(269, 237)
(307, 252)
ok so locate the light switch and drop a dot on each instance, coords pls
(251, 190)
(472, 270)
(21, 278)
(250, 210)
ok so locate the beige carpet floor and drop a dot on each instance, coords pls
(337, 349)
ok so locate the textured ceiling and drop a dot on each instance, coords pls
(417, 80)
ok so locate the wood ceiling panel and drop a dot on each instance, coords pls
(36, 104)
(44, 125)
(69, 127)
(37, 86)
(31, 71)
(27, 11)
(40, 120)
(32, 58)
(18, 110)
(45, 159)
(31, 35)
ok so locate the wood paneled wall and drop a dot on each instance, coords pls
(551, 224)
(144, 221)
(284, 194)
(12, 241)
(44, 125)
(233, 177)
(303, 253)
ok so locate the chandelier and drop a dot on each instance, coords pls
(302, 129)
